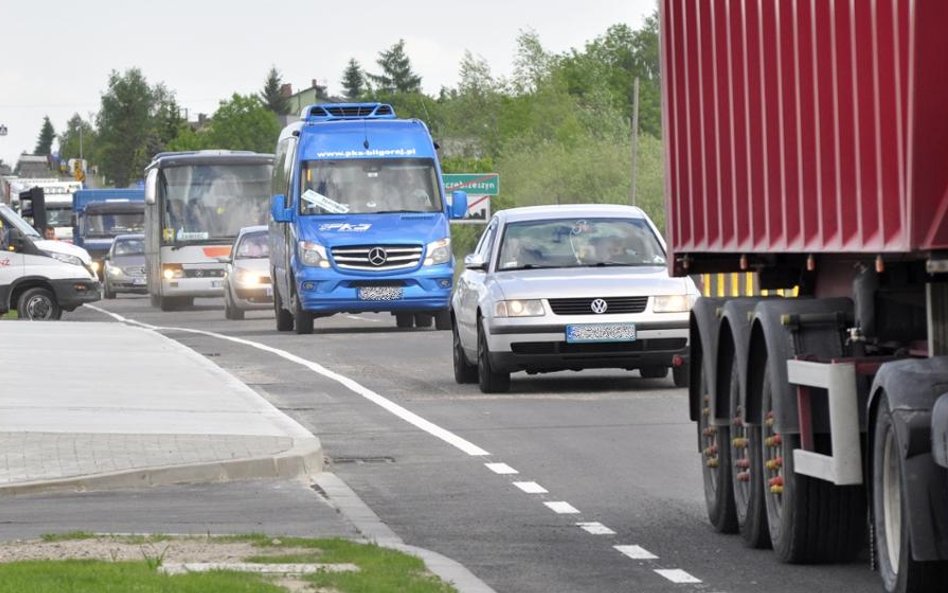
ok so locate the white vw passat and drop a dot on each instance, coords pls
(553, 288)
(247, 284)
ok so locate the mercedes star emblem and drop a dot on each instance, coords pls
(599, 306)
(377, 256)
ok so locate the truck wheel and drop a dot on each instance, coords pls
(404, 320)
(810, 520)
(681, 375)
(900, 572)
(107, 291)
(423, 320)
(489, 380)
(302, 319)
(653, 372)
(746, 481)
(443, 320)
(715, 465)
(284, 319)
(464, 371)
(167, 303)
(38, 304)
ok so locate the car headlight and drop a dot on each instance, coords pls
(248, 278)
(673, 303)
(114, 270)
(519, 308)
(313, 254)
(95, 266)
(65, 258)
(439, 252)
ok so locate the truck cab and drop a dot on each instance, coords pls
(99, 215)
(359, 219)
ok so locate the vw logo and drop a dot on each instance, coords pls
(599, 306)
(377, 256)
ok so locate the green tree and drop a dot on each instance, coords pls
(44, 144)
(242, 123)
(397, 75)
(272, 96)
(125, 124)
(78, 140)
(353, 80)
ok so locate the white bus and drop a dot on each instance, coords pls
(195, 204)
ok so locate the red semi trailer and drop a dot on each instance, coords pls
(807, 141)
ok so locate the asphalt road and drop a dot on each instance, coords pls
(423, 453)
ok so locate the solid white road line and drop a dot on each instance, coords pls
(403, 413)
(676, 575)
(501, 468)
(596, 528)
(636, 552)
(562, 507)
(531, 487)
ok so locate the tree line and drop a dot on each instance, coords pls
(558, 129)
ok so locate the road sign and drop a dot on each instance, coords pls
(478, 184)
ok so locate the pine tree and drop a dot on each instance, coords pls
(271, 95)
(397, 75)
(44, 144)
(353, 80)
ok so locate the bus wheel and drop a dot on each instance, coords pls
(443, 320)
(423, 320)
(38, 304)
(404, 320)
(303, 319)
(284, 319)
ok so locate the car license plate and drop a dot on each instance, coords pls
(269, 291)
(217, 283)
(380, 293)
(138, 281)
(600, 332)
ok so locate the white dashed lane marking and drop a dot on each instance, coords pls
(501, 468)
(562, 507)
(531, 487)
(596, 528)
(636, 552)
(678, 576)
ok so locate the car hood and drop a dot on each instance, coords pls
(63, 247)
(355, 229)
(591, 282)
(124, 261)
(256, 264)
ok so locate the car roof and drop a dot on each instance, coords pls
(258, 228)
(555, 211)
(131, 237)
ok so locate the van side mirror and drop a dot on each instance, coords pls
(458, 204)
(278, 209)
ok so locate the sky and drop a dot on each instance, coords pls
(56, 56)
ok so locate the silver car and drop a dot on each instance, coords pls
(247, 284)
(124, 267)
(553, 288)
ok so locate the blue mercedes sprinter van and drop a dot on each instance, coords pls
(359, 219)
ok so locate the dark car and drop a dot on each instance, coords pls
(125, 266)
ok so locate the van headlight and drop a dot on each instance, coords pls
(673, 303)
(65, 258)
(519, 308)
(313, 254)
(439, 252)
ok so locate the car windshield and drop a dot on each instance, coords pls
(213, 202)
(579, 242)
(112, 224)
(129, 247)
(253, 246)
(360, 186)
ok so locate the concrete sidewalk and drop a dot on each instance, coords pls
(87, 406)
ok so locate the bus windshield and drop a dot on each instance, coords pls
(370, 186)
(211, 203)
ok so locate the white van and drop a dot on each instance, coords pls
(40, 279)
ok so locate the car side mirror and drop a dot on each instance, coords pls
(475, 262)
(278, 209)
(458, 204)
(224, 260)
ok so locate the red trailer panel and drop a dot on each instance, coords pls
(805, 126)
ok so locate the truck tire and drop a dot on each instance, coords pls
(810, 520)
(443, 320)
(747, 484)
(423, 319)
(404, 320)
(38, 304)
(899, 571)
(464, 371)
(488, 379)
(715, 465)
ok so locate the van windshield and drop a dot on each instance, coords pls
(15, 220)
(366, 186)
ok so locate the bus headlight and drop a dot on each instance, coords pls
(439, 252)
(172, 271)
(313, 254)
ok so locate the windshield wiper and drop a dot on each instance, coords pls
(404, 211)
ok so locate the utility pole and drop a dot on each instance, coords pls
(635, 139)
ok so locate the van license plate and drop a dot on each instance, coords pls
(600, 332)
(380, 293)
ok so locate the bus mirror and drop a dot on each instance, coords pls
(151, 186)
(458, 204)
(278, 209)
